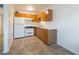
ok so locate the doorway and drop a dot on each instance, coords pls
(1, 34)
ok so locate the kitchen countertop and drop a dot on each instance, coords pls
(48, 28)
(38, 26)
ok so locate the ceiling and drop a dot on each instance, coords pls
(37, 7)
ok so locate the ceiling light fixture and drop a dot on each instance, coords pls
(46, 12)
(30, 8)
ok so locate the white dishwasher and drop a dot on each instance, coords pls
(29, 31)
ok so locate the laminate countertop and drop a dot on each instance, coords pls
(48, 28)
(38, 26)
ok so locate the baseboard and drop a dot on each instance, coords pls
(10, 43)
(6, 52)
(68, 49)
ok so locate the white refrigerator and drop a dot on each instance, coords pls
(19, 27)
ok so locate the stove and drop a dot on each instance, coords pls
(29, 31)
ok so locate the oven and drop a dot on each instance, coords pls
(29, 31)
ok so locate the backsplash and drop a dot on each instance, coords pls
(46, 24)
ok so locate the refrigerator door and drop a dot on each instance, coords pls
(19, 20)
(18, 31)
(19, 27)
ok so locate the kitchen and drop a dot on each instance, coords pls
(33, 32)
(26, 24)
(40, 28)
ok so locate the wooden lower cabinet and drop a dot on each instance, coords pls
(47, 36)
(44, 35)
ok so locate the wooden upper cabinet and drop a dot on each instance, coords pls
(46, 15)
(23, 15)
(50, 15)
(27, 16)
(35, 19)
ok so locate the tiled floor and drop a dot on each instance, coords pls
(1, 44)
(34, 46)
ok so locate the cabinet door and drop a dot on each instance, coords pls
(50, 15)
(45, 36)
(42, 34)
(35, 18)
(46, 15)
(38, 32)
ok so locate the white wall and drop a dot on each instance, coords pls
(5, 29)
(66, 19)
(8, 27)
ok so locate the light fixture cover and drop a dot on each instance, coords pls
(30, 8)
(46, 12)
